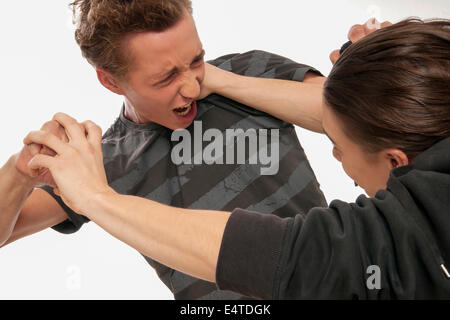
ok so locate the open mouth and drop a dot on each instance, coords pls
(183, 110)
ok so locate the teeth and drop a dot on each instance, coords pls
(184, 110)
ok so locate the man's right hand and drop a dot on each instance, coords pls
(22, 159)
(358, 31)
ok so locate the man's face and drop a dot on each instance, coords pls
(165, 77)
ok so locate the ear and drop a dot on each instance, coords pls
(108, 81)
(396, 158)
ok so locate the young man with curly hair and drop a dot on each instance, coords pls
(149, 52)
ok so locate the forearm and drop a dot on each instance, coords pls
(295, 102)
(15, 189)
(185, 240)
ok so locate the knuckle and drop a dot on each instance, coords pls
(51, 126)
(98, 128)
(355, 31)
(34, 135)
(58, 115)
(331, 56)
(44, 134)
(48, 124)
(27, 137)
(61, 115)
(72, 122)
(92, 125)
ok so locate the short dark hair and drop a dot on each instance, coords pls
(391, 88)
(101, 26)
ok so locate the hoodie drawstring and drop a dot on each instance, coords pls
(447, 274)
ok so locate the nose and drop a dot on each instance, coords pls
(190, 88)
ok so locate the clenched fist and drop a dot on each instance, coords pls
(40, 176)
(358, 31)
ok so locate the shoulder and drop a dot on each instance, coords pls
(259, 63)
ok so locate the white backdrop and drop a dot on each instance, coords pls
(42, 72)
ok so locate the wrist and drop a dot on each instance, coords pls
(99, 202)
(220, 80)
(228, 81)
(20, 179)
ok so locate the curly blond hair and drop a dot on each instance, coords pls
(102, 25)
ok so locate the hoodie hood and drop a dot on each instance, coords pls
(437, 158)
(423, 188)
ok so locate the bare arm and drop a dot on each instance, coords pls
(15, 188)
(24, 210)
(299, 103)
(295, 102)
(185, 240)
(39, 212)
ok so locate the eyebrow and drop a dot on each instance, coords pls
(164, 76)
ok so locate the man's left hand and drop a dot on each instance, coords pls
(77, 167)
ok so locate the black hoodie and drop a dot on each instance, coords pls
(393, 246)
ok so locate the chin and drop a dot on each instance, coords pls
(371, 193)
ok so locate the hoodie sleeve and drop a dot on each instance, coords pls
(345, 251)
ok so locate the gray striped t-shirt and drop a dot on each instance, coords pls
(138, 162)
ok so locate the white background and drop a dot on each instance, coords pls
(42, 72)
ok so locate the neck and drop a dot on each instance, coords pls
(131, 114)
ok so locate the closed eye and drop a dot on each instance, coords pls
(199, 58)
(167, 79)
(197, 62)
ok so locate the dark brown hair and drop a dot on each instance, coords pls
(102, 25)
(391, 88)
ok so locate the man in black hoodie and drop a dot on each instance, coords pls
(392, 139)
(402, 231)
(395, 244)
